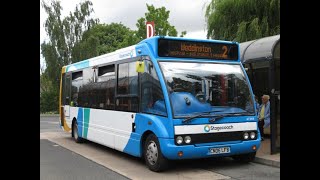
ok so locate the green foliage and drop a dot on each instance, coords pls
(242, 20)
(48, 95)
(64, 34)
(183, 33)
(102, 39)
(160, 17)
(49, 101)
(254, 30)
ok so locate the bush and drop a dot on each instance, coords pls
(49, 101)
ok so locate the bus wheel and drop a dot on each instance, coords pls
(75, 134)
(245, 157)
(153, 155)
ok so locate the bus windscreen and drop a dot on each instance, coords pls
(199, 50)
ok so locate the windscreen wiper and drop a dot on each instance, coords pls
(246, 113)
(198, 115)
(213, 119)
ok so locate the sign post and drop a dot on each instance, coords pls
(150, 29)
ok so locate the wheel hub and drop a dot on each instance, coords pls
(152, 153)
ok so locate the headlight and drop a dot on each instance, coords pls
(245, 135)
(252, 135)
(187, 139)
(179, 140)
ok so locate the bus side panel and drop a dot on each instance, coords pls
(110, 128)
(146, 122)
(73, 114)
(133, 146)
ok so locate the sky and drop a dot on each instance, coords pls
(185, 15)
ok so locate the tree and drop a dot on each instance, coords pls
(63, 34)
(242, 20)
(160, 17)
(102, 39)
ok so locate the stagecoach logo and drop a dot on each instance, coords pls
(208, 128)
(126, 55)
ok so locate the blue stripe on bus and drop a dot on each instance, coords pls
(80, 121)
(86, 122)
(133, 145)
(76, 66)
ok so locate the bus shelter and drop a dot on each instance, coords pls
(261, 59)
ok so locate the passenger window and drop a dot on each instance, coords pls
(127, 88)
(76, 84)
(127, 79)
(106, 83)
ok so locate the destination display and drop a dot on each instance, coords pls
(194, 49)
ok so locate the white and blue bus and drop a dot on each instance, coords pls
(165, 98)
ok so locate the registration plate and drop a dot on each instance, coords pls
(220, 150)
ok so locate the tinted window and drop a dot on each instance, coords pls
(152, 100)
(127, 88)
(127, 79)
(104, 70)
(63, 99)
(67, 89)
(76, 84)
(106, 80)
(86, 96)
(127, 103)
(76, 75)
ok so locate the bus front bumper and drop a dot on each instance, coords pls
(172, 151)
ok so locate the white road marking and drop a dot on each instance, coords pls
(52, 122)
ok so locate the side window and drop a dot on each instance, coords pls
(63, 93)
(152, 100)
(86, 95)
(127, 88)
(127, 103)
(106, 80)
(127, 79)
(76, 84)
(67, 89)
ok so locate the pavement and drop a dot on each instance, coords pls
(263, 155)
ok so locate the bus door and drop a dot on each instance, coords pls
(67, 96)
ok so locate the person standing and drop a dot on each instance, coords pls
(264, 115)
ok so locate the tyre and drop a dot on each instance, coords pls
(153, 156)
(246, 158)
(75, 134)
